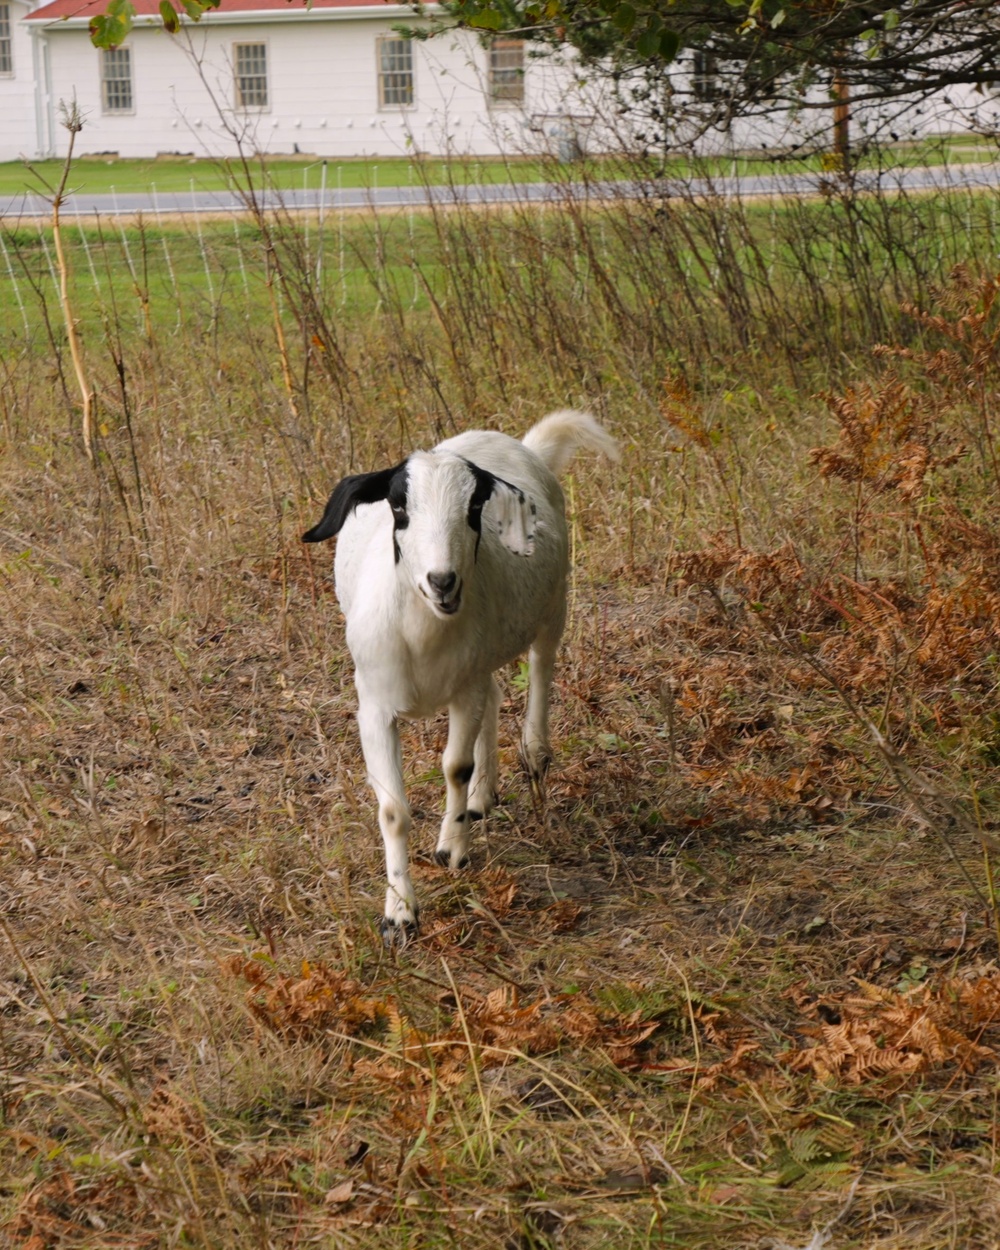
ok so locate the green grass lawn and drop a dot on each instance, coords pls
(102, 175)
(106, 174)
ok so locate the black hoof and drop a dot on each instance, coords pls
(536, 775)
(397, 933)
(444, 859)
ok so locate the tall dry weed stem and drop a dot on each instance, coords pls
(72, 120)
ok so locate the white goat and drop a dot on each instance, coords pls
(437, 595)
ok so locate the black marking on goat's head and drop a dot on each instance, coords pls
(514, 514)
(396, 495)
(362, 488)
(481, 492)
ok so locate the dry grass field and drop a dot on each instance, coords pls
(733, 984)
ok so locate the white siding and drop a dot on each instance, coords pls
(17, 92)
(322, 91)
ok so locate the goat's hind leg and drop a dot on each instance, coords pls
(384, 761)
(535, 749)
(465, 718)
(483, 793)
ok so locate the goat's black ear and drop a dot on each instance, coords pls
(511, 513)
(347, 495)
(483, 489)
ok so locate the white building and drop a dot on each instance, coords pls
(17, 82)
(333, 79)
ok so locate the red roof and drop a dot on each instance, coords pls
(87, 9)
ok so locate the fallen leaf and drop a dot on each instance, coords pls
(724, 1193)
(339, 1194)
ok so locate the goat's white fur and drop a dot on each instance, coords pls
(422, 640)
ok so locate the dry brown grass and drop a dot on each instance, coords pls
(730, 987)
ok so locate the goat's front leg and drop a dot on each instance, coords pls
(465, 718)
(535, 749)
(384, 761)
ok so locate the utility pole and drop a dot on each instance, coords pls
(841, 119)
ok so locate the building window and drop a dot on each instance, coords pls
(251, 75)
(507, 71)
(395, 73)
(705, 76)
(116, 80)
(6, 47)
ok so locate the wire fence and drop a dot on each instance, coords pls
(669, 263)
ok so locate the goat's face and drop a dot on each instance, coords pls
(437, 500)
(435, 544)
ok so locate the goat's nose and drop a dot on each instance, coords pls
(443, 583)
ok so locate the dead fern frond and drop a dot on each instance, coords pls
(898, 1034)
(888, 436)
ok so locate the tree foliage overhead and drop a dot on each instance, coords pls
(771, 51)
(111, 28)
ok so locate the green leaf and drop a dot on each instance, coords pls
(648, 43)
(670, 44)
(867, 34)
(521, 679)
(194, 9)
(108, 32)
(171, 22)
(778, 18)
(612, 742)
(624, 18)
(891, 19)
(488, 19)
(913, 976)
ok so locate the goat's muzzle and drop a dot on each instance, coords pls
(447, 593)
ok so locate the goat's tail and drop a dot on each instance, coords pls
(558, 437)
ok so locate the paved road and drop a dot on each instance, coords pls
(331, 200)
